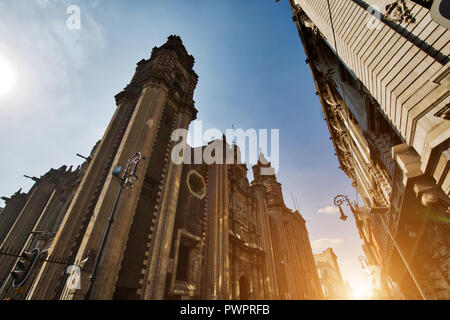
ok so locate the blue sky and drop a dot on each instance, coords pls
(252, 74)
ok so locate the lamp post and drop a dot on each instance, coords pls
(340, 199)
(127, 180)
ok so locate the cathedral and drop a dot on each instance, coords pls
(145, 228)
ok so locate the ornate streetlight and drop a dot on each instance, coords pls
(127, 180)
(339, 200)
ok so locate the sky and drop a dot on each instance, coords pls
(59, 94)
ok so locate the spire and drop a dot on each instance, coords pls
(262, 159)
(263, 168)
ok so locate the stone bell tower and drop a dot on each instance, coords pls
(135, 258)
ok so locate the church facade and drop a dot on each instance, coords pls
(174, 231)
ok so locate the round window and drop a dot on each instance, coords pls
(196, 184)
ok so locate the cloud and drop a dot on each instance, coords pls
(323, 243)
(328, 210)
(37, 37)
(50, 63)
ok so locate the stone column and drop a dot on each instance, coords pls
(263, 287)
(251, 285)
(225, 234)
(278, 237)
(157, 269)
(236, 274)
(262, 219)
(255, 281)
(218, 265)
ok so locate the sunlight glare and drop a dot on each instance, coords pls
(6, 76)
(362, 292)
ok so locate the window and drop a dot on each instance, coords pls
(183, 263)
(196, 184)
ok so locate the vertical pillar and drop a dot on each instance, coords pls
(263, 223)
(263, 286)
(218, 265)
(155, 282)
(236, 274)
(225, 234)
(255, 281)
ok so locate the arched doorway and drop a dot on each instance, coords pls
(244, 288)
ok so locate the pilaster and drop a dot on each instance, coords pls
(270, 280)
(158, 267)
(218, 262)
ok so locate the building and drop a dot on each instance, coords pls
(32, 220)
(9, 214)
(333, 285)
(294, 260)
(145, 227)
(382, 77)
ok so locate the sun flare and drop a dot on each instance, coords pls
(362, 292)
(7, 76)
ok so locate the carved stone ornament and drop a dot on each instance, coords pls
(240, 205)
(399, 12)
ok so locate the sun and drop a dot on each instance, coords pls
(7, 77)
(362, 292)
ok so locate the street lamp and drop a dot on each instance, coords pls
(339, 200)
(127, 180)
